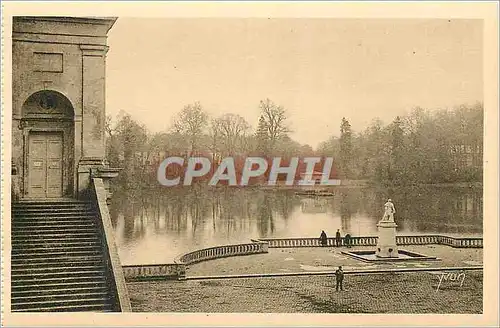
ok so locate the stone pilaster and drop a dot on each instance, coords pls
(93, 101)
(93, 114)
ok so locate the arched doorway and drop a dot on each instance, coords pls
(48, 133)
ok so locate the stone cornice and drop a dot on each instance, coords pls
(93, 50)
(54, 38)
(63, 26)
(107, 21)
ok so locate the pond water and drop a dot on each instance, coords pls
(154, 226)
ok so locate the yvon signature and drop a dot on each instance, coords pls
(451, 276)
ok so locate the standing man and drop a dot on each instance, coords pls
(347, 240)
(338, 238)
(323, 238)
(339, 277)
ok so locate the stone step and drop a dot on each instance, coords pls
(30, 264)
(35, 226)
(56, 291)
(49, 201)
(56, 258)
(42, 227)
(76, 272)
(22, 222)
(20, 207)
(49, 261)
(56, 253)
(57, 296)
(55, 239)
(48, 270)
(40, 288)
(49, 204)
(37, 282)
(55, 244)
(52, 251)
(52, 237)
(57, 261)
(55, 231)
(98, 303)
(43, 214)
(70, 308)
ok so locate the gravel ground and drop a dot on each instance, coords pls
(373, 293)
(368, 293)
(280, 260)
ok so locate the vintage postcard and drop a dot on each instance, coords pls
(248, 164)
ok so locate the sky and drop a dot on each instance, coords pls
(319, 70)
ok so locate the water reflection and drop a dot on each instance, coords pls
(154, 226)
(314, 205)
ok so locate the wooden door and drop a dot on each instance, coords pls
(45, 165)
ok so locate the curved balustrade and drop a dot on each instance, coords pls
(137, 272)
(222, 251)
(459, 242)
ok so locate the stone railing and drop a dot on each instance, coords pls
(177, 270)
(114, 273)
(362, 241)
(154, 271)
(216, 252)
(458, 242)
(315, 242)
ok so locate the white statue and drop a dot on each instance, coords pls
(389, 211)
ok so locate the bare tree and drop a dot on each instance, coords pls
(231, 129)
(191, 122)
(215, 139)
(273, 118)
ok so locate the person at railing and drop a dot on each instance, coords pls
(338, 238)
(323, 238)
(339, 278)
(347, 240)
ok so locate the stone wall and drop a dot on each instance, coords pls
(64, 55)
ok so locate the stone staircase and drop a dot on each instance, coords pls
(58, 261)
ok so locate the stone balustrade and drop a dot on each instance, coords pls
(458, 242)
(362, 241)
(211, 253)
(151, 271)
(177, 270)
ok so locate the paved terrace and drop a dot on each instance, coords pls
(414, 292)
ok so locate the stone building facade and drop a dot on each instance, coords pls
(58, 104)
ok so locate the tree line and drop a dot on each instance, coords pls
(439, 146)
(425, 146)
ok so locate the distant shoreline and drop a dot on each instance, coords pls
(345, 184)
(368, 184)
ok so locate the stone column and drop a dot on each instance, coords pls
(93, 113)
(386, 244)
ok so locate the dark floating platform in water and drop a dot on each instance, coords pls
(369, 256)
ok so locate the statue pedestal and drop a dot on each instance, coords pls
(386, 244)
